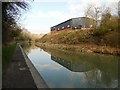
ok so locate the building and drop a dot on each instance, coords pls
(75, 23)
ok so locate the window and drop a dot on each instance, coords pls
(68, 25)
(80, 26)
(54, 27)
(75, 27)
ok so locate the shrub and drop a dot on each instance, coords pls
(100, 31)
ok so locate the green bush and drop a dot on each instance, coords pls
(100, 31)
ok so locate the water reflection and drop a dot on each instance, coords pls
(76, 67)
(76, 70)
(101, 69)
(28, 46)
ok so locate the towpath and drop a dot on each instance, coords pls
(18, 73)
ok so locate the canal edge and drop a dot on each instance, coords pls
(39, 81)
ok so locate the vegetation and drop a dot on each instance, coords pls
(66, 37)
(98, 37)
(11, 30)
(102, 40)
(7, 52)
(25, 35)
(11, 12)
(106, 31)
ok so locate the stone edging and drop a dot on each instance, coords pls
(40, 83)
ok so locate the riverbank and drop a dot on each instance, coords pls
(83, 47)
(91, 41)
(18, 74)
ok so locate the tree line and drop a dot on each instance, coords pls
(104, 16)
(11, 30)
(106, 24)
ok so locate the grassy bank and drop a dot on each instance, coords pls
(66, 37)
(83, 41)
(7, 53)
(73, 37)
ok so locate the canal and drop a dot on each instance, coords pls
(63, 69)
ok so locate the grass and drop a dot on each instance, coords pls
(98, 37)
(84, 40)
(67, 37)
(7, 53)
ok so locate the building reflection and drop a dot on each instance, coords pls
(99, 70)
(71, 65)
(93, 75)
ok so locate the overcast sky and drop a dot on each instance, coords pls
(44, 14)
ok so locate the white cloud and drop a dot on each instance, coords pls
(50, 0)
(74, 0)
(50, 66)
(49, 14)
(112, 0)
(41, 21)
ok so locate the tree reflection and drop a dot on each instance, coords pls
(28, 46)
(100, 70)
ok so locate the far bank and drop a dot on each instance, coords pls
(83, 41)
(83, 47)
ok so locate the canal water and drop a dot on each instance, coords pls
(63, 69)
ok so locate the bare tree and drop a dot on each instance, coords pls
(88, 10)
(93, 12)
